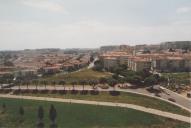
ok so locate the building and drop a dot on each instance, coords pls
(139, 64)
(160, 62)
(50, 70)
(114, 59)
(171, 64)
(23, 73)
(176, 45)
(110, 62)
(104, 49)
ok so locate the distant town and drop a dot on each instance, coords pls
(150, 78)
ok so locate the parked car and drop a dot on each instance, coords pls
(103, 86)
(189, 95)
(157, 95)
(171, 99)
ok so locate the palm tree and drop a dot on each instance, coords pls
(54, 84)
(83, 82)
(95, 82)
(62, 82)
(19, 84)
(36, 84)
(52, 116)
(73, 84)
(40, 115)
(90, 82)
(45, 84)
(1, 84)
(27, 83)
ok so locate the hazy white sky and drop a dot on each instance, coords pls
(92, 23)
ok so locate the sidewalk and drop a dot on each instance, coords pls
(131, 106)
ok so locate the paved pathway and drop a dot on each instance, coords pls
(136, 107)
(182, 102)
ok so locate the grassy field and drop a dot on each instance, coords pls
(87, 74)
(180, 77)
(82, 116)
(124, 97)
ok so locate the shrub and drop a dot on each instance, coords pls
(84, 92)
(63, 91)
(114, 93)
(94, 92)
(74, 92)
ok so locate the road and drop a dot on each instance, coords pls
(186, 102)
(131, 106)
(91, 65)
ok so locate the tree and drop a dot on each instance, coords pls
(62, 82)
(19, 84)
(98, 65)
(83, 82)
(102, 80)
(27, 83)
(115, 76)
(40, 115)
(54, 84)
(1, 84)
(151, 80)
(91, 58)
(144, 73)
(122, 80)
(73, 84)
(45, 83)
(90, 82)
(21, 113)
(95, 82)
(36, 82)
(52, 116)
(112, 82)
(135, 79)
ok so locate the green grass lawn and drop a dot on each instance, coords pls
(180, 77)
(124, 97)
(87, 74)
(82, 116)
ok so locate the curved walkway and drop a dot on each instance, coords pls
(182, 102)
(136, 107)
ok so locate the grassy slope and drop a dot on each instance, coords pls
(83, 116)
(75, 76)
(124, 98)
(180, 76)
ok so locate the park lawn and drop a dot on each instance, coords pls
(124, 97)
(81, 116)
(180, 77)
(84, 74)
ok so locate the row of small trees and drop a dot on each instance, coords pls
(84, 82)
(40, 115)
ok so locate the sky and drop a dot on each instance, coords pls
(30, 24)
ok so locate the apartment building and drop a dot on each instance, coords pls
(110, 62)
(170, 64)
(139, 64)
(114, 59)
(161, 62)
